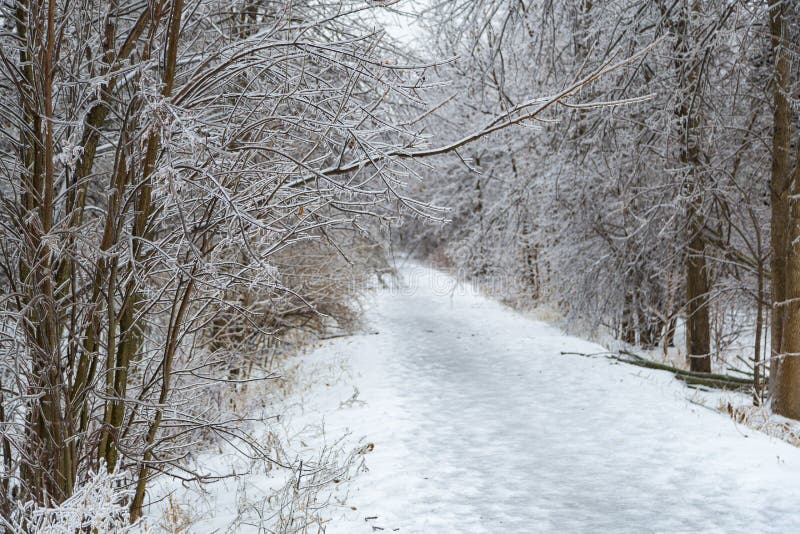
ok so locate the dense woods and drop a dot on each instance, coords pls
(184, 184)
(173, 200)
(672, 213)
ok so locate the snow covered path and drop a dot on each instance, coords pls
(481, 425)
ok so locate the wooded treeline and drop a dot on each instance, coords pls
(171, 202)
(676, 213)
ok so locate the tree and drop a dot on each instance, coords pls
(689, 69)
(784, 183)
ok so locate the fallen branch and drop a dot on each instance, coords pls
(715, 383)
(692, 378)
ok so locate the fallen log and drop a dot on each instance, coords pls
(691, 378)
(715, 383)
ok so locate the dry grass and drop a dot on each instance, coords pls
(763, 420)
(175, 518)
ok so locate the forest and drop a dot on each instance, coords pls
(197, 194)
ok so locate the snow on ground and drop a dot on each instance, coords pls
(479, 424)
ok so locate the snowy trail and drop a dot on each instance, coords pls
(481, 425)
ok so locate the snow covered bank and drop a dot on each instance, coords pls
(469, 419)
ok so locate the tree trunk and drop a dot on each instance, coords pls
(787, 385)
(698, 334)
(627, 329)
(698, 330)
(757, 372)
(784, 375)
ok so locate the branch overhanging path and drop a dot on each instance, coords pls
(517, 115)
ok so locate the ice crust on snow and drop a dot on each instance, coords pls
(481, 425)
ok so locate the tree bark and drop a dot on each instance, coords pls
(784, 372)
(698, 329)
(698, 334)
(757, 373)
(787, 385)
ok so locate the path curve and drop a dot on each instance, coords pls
(480, 425)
